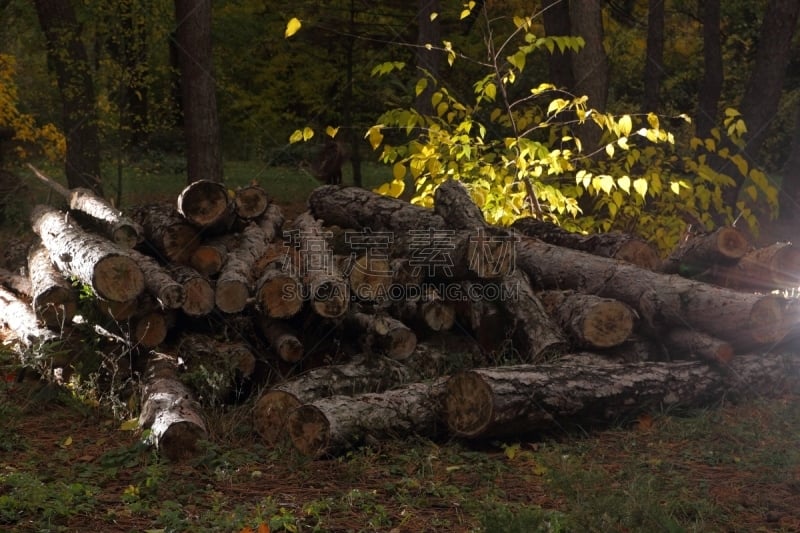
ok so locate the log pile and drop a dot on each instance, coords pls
(367, 317)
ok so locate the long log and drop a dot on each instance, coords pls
(382, 334)
(109, 270)
(54, 299)
(169, 410)
(724, 245)
(235, 282)
(117, 227)
(773, 267)
(614, 245)
(170, 237)
(328, 292)
(159, 282)
(271, 222)
(526, 399)
(744, 320)
(282, 339)
(19, 284)
(683, 341)
(590, 321)
(335, 424)
(18, 316)
(206, 205)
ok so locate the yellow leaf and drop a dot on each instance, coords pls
(67, 442)
(308, 133)
(292, 27)
(399, 171)
(331, 132)
(640, 186)
(675, 187)
(606, 183)
(539, 470)
(610, 150)
(624, 183)
(375, 136)
(751, 192)
(396, 188)
(296, 136)
(623, 143)
(421, 85)
(129, 425)
(433, 16)
(652, 119)
(625, 125)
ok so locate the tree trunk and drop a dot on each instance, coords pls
(282, 339)
(744, 320)
(96, 211)
(699, 252)
(200, 121)
(555, 15)
(654, 60)
(54, 299)
(169, 410)
(591, 321)
(711, 86)
(526, 399)
(250, 202)
(328, 292)
(615, 244)
(170, 237)
(235, 282)
(335, 424)
(428, 60)
(790, 185)
(159, 282)
(206, 204)
(199, 292)
(67, 55)
(682, 341)
(107, 269)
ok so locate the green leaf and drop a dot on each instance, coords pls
(129, 425)
(292, 27)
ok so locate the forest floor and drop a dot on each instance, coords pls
(67, 464)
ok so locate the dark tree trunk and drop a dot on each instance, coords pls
(200, 121)
(68, 57)
(556, 23)
(708, 99)
(790, 187)
(654, 63)
(429, 61)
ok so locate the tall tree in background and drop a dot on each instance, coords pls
(711, 85)
(68, 57)
(555, 15)
(198, 90)
(428, 59)
(654, 61)
(790, 187)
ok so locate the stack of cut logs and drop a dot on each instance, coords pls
(367, 317)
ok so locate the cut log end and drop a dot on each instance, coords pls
(608, 325)
(151, 329)
(309, 429)
(126, 236)
(330, 298)
(199, 297)
(270, 414)
(207, 260)
(280, 297)
(468, 404)
(231, 296)
(180, 440)
(204, 203)
(438, 315)
(767, 320)
(732, 243)
(251, 202)
(56, 307)
(118, 278)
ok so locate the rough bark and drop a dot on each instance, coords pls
(159, 282)
(17, 283)
(776, 266)
(555, 15)
(169, 410)
(271, 222)
(54, 299)
(107, 269)
(97, 211)
(282, 339)
(200, 294)
(724, 245)
(328, 292)
(526, 399)
(206, 204)
(744, 320)
(250, 202)
(335, 424)
(170, 237)
(615, 244)
(382, 334)
(18, 316)
(590, 321)
(235, 282)
(682, 342)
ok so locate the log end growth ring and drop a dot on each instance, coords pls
(118, 278)
(309, 430)
(204, 203)
(179, 440)
(468, 404)
(271, 413)
(610, 325)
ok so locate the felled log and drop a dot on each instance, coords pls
(526, 399)
(271, 222)
(21, 285)
(206, 205)
(118, 311)
(744, 320)
(159, 283)
(278, 292)
(774, 267)
(282, 339)
(215, 370)
(199, 300)
(372, 374)
(209, 257)
(54, 299)
(591, 321)
(117, 227)
(331, 425)
(234, 284)
(425, 309)
(250, 202)
(18, 316)
(382, 334)
(614, 245)
(328, 292)
(481, 316)
(150, 328)
(170, 237)
(370, 277)
(683, 341)
(724, 245)
(111, 272)
(169, 410)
